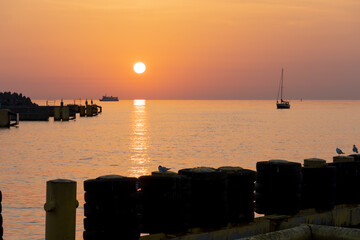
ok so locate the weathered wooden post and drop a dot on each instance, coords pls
(60, 209)
(1, 218)
(94, 110)
(5, 118)
(82, 111)
(57, 114)
(65, 113)
(89, 110)
(347, 179)
(318, 185)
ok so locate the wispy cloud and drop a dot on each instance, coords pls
(111, 5)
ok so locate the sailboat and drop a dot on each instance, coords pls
(282, 104)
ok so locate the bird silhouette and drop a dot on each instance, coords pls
(355, 150)
(163, 169)
(339, 151)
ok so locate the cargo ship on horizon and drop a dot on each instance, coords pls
(109, 99)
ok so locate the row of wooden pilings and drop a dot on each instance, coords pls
(1, 218)
(66, 113)
(199, 198)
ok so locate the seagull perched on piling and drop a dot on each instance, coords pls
(338, 150)
(355, 150)
(163, 169)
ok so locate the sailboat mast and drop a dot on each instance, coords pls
(282, 80)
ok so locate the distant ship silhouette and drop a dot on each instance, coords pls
(109, 99)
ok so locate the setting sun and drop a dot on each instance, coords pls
(139, 67)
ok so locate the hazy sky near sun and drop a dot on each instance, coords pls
(223, 49)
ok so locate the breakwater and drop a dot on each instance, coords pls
(1, 218)
(222, 201)
(26, 110)
(22, 105)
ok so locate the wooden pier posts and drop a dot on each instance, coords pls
(318, 185)
(82, 111)
(278, 187)
(1, 218)
(62, 113)
(117, 208)
(60, 209)
(92, 110)
(110, 208)
(347, 179)
(5, 118)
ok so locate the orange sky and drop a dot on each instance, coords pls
(229, 49)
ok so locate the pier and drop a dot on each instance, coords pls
(214, 203)
(21, 108)
(207, 203)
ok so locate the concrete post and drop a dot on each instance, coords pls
(60, 209)
(4, 118)
(314, 163)
(82, 111)
(337, 159)
(89, 111)
(94, 109)
(65, 113)
(57, 113)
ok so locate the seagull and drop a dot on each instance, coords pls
(338, 150)
(355, 150)
(163, 169)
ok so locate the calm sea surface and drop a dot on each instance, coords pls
(132, 138)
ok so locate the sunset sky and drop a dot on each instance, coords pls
(223, 49)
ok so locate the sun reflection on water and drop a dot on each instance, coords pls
(139, 139)
(140, 102)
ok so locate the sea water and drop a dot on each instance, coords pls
(131, 138)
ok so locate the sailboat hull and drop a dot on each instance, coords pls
(283, 105)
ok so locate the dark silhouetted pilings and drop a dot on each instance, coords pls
(240, 194)
(356, 157)
(202, 199)
(22, 105)
(1, 218)
(65, 113)
(347, 180)
(61, 113)
(319, 185)
(165, 202)
(74, 108)
(278, 187)
(208, 202)
(70, 110)
(31, 113)
(110, 208)
(82, 111)
(93, 110)
(6, 118)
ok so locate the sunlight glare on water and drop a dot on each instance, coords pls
(139, 139)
